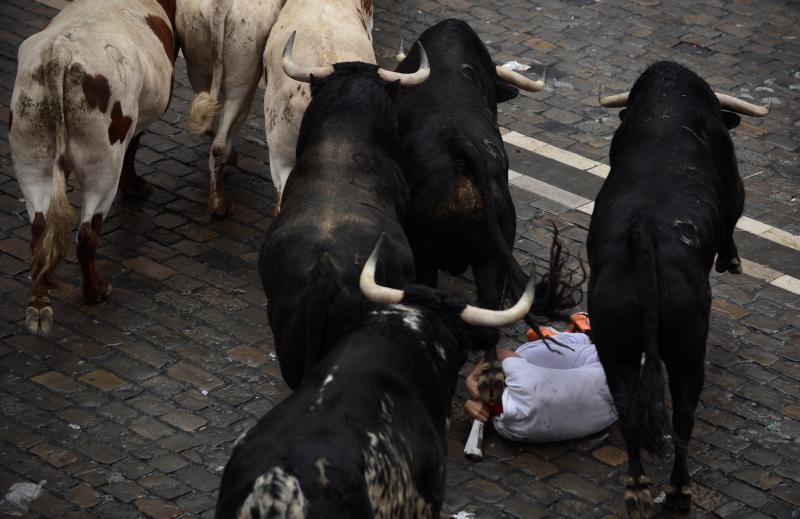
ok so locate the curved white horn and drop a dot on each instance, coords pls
(614, 101)
(518, 80)
(413, 79)
(297, 73)
(498, 318)
(401, 53)
(371, 290)
(743, 107)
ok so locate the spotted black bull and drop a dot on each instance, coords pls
(365, 434)
(460, 209)
(344, 191)
(670, 203)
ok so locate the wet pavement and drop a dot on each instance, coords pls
(130, 407)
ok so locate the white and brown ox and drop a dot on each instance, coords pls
(334, 31)
(223, 41)
(86, 86)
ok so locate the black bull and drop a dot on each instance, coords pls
(365, 434)
(669, 205)
(460, 209)
(345, 190)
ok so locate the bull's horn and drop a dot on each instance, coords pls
(518, 80)
(743, 107)
(413, 79)
(401, 53)
(371, 290)
(498, 318)
(613, 101)
(297, 73)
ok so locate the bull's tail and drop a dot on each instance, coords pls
(53, 245)
(205, 105)
(560, 286)
(651, 422)
(322, 287)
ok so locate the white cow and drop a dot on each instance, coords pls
(223, 41)
(332, 31)
(86, 86)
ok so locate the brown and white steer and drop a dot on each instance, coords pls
(86, 86)
(334, 31)
(223, 42)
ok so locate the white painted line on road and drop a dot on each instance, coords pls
(601, 170)
(554, 193)
(573, 201)
(55, 4)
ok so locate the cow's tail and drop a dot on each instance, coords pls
(205, 105)
(53, 245)
(651, 423)
(321, 289)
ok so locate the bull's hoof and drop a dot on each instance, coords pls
(638, 500)
(678, 500)
(39, 320)
(734, 266)
(220, 205)
(96, 292)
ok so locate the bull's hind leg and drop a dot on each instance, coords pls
(48, 211)
(100, 181)
(621, 365)
(129, 182)
(686, 375)
(234, 112)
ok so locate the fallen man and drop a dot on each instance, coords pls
(550, 395)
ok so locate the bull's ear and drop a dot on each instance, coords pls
(730, 119)
(622, 114)
(505, 92)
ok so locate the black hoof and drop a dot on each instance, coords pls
(734, 266)
(678, 500)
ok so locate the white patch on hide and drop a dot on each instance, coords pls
(275, 494)
(320, 464)
(411, 316)
(390, 488)
(241, 437)
(440, 350)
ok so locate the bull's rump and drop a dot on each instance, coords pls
(111, 43)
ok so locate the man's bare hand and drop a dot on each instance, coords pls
(472, 382)
(476, 410)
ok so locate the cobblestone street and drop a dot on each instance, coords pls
(129, 408)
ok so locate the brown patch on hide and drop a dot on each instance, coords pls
(97, 91)
(120, 124)
(164, 34)
(367, 5)
(466, 199)
(169, 8)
